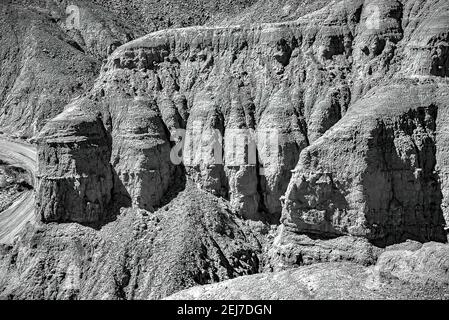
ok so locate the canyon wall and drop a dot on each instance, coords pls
(75, 180)
(330, 126)
(323, 84)
(48, 58)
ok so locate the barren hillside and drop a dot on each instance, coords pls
(184, 143)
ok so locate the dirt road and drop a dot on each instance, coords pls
(13, 219)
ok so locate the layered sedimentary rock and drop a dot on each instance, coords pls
(281, 87)
(49, 57)
(379, 172)
(206, 79)
(75, 179)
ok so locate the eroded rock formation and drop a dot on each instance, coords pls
(386, 188)
(297, 79)
(330, 126)
(194, 240)
(399, 274)
(75, 179)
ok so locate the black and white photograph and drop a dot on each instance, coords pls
(216, 156)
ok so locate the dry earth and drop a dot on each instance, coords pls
(352, 201)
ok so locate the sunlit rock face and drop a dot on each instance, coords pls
(75, 179)
(387, 188)
(50, 57)
(379, 172)
(313, 148)
(333, 96)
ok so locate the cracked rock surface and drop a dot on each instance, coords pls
(305, 141)
(196, 239)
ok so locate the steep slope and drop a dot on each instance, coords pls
(194, 240)
(281, 85)
(332, 124)
(270, 11)
(380, 171)
(387, 188)
(47, 59)
(241, 78)
(153, 15)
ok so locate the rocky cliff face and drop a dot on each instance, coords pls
(331, 125)
(388, 143)
(49, 59)
(368, 192)
(216, 81)
(74, 174)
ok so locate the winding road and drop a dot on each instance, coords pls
(13, 219)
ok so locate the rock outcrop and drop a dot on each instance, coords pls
(331, 125)
(209, 81)
(50, 56)
(291, 250)
(13, 182)
(391, 278)
(386, 188)
(412, 262)
(194, 240)
(376, 173)
(75, 179)
(296, 80)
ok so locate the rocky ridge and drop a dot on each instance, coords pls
(353, 94)
(13, 182)
(49, 58)
(298, 80)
